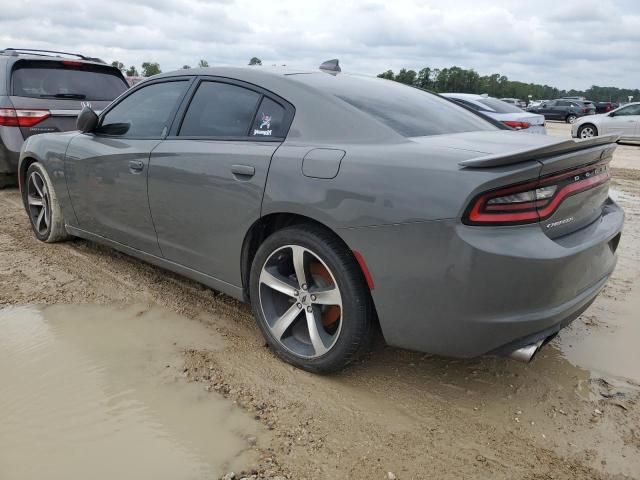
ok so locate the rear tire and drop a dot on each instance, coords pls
(42, 206)
(571, 118)
(310, 299)
(587, 131)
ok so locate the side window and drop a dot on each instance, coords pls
(562, 103)
(552, 103)
(269, 121)
(144, 113)
(630, 110)
(220, 110)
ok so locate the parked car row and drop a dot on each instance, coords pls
(564, 109)
(516, 102)
(502, 111)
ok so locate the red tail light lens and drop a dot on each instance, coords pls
(10, 117)
(516, 125)
(533, 201)
(71, 63)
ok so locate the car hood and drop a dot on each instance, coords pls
(592, 118)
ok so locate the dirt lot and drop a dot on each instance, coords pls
(572, 413)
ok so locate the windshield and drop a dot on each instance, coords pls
(56, 81)
(409, 111)
(498, 106)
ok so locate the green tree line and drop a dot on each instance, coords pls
(460, 80)
(153, 68)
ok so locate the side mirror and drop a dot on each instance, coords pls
(87, 120)
(612, 114)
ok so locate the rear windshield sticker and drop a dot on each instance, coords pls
(265, 126)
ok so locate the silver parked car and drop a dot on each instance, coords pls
(623, 121)
(333, 202)
(501, 111)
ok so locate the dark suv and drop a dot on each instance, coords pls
(567, 110)
(43, 91)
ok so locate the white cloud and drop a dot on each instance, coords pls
(572, 43)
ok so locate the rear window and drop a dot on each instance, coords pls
(39, 80)
(498, 106)
(409, 111)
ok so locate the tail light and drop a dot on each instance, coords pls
(533, 201)
(72, 63)
(516, 125)
(11, 117)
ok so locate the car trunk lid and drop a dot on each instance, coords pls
(582, 177)
(57, 115)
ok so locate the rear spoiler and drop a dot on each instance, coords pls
(566, 146)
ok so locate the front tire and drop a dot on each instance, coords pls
(43, 208)
(587, 131)
(571, 118)
(310, 299)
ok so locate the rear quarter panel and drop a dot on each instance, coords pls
(50, 149)
(384, 184)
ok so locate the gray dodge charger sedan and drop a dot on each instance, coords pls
(334, 203)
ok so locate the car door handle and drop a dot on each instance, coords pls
(136, 165)
(243, 170)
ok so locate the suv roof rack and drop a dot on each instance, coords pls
(46, 53)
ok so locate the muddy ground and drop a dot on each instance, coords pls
(572, 413)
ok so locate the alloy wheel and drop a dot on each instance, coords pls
(587, 132)
(38, 203)
(300, 301)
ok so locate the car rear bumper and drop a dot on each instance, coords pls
(538, 129)
(456, 290)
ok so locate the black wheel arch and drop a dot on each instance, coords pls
(262, 229)
(587, 124)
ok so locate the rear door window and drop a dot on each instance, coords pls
(146, 112)
(56, 80)
(220, 110)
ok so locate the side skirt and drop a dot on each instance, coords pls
(209, 281)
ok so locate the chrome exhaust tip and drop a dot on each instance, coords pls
(526, 353)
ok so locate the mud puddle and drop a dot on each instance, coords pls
(610, 348)
(606, 341)
(96, 392)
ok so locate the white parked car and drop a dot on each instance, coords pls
(623, 121)
(506, 113)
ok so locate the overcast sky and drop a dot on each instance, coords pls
(564, 43)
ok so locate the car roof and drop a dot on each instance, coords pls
(313, 105)
(36, 54)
